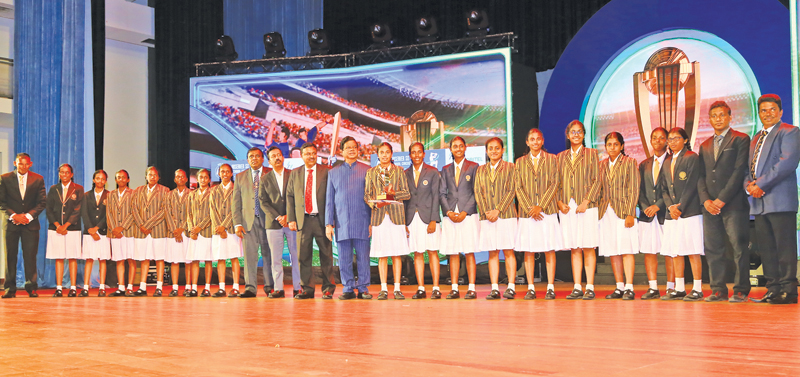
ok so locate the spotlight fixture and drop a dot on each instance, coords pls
(381, 36)
(224, 50)
(477, 23)
(319, 42)
(273, 45)
(426, 30)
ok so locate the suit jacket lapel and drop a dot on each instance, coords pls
(766, 147)
(725, 141)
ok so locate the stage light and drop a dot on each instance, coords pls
(224, 50)
(319, 42)
(273, 45)
(426, 30)
(477, 23)
(381, 36)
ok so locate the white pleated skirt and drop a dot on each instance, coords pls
(419, 240)
(66, 246)
(150, 248)
(683, 236)
(460, 237)
(615, 238)
(580, 230)
(200, 249)
(228, 248)
(388, 240)
(498, 235)
(122, 248)
(100, 249)
(650, 237)
(539, 236)
(177, 251)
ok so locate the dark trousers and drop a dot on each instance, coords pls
(777, 242)
(734, 226)
(30, 246)
(256, 236)
(361, 248)
(313, 231)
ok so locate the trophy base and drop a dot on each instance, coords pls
(384, 197)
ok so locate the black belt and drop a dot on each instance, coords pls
(312, 214)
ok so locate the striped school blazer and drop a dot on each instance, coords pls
(220, 207)
(537, 187)
(177, 208)
(396, 211)
(497, 193)
(579, 180)
(119, 212)
(150, 213)
(199, 213)
(620, 186)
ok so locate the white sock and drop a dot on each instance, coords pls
(194, 287)
(222, 286)
(551, 286)
(653, 284)
(159, 284)
(174, 287)
(589, 287)
(512, 286)
(208, 287)
(629, 287)
(698, 286)
(530, 287)
(396, 286)
(236, 286)
(58, 287)
(620, 286)
(121, 287)
(188, 286)
(679, 285)
(435, 288)
(72, 287)
(384, 287)
(454, 287)
(130, 286)
(576, 286)
(670, 285)
(495, 287)
(421, 288)
(143, 286)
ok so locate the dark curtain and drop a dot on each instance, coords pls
(185, 32)
(544, 27)
(99, 74)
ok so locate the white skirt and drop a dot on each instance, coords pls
(683, 236)
(228, 248)
(460, 237)
(498, 235)
(650, 237)
(100, 249)
(150, 248)
(388, 240)
(200, 249)
(615, 238)
(63, 246)
(580, 230)
(177, 251)
(539, 236)
(122, 248)
(419, 240)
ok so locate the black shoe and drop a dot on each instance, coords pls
(84, 293)
(509, 294)
(399, 295)
(295, 292)
(233, 293)
(453, 295)
(347, 296)
(247, 294)
(420, 294)
(575, 295)
(550, 295)
(716, 297)
(765, 298)
(494, 295)
(651, 294)
(628, 295)
(471, 295)
(304, 295)
(327, 294)
(615, 295)
(173, 293)
(364, 296)
(694, 296)
(206, 293)
(58, 293)
(436, 295)
(118, 293)
(589, 295)
(72, 293)
(221, 293)
(32, 293)
(129, 293)
(383, 296)
(268, 290)
(277, 294)
(738, 297)
(101, 293)
(531, 295)
(140, 293)
(784, 299)
(673, 295)
(193, 293)
(10, 294)
(158, 293)
(187, 292)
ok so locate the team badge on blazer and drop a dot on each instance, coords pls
(105, 201)
(425, 182)
(73, 197)
(682, 176)
(468, 177)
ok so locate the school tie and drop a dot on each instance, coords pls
(309, 187)
(458, 174)
(492, 173)
(21, 186)
(149, 193)
(672, 167)
(656, 169)
(416, 177)
(717, 144)
(536, 164)
(761, 136)
(256, 181)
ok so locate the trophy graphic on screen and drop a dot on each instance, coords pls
(422, 127)
(385, 178)
(666, 72)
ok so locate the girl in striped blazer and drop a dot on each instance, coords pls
(95, 226)
(120, 224)
(388, 221)
(578, 194)
(149, 210)
(64, 233)
(198, 221)
(494, 193)
(178, 241)
(224, 243)
(619, 233)
(538, 229)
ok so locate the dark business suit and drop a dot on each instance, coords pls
(424, 195)
(776, 212)
(721, 178)
(243, 206)
(272, 197)
(650, 191)
(310, 227)
(33, 204)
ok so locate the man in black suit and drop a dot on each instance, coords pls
(22, 197)
(723, 165)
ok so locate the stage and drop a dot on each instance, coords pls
(260, 336)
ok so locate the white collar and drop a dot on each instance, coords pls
(459, 164)
(534, 158)
(225, 187)
(419, 171)
(660, 159)
(23, 176)
(611, 163)
(150, 189)
(66, 187)
(496, 165)
(575, 152)
(771, 127)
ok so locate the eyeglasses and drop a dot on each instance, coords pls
(576, 133)
(675, 139)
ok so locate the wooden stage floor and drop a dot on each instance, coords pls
(236, 337)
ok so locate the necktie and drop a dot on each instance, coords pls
(656, 170)
(256, 180)
(416, 177)
(309, 186)
(458, 174)
(536, 163)
(717, 144)
(492, 173)
(761, 136)
(21, 186)
(150, 193)
(672, 167)
(64, 193)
